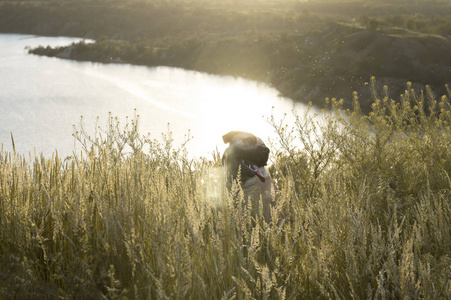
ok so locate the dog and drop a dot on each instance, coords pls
(245, 162)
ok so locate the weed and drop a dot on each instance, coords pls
(363, 212)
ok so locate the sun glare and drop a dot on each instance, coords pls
(205, 107)
(237, 108)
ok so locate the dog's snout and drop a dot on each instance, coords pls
(263, 150)
(262, 157)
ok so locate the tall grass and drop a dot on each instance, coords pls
(364, 211)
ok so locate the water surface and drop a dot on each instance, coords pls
(42, 98)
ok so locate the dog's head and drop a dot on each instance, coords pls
(245, 151)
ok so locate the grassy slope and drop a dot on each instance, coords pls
(366, 214)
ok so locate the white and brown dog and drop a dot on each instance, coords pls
(245, 160)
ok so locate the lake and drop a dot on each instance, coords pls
(42, 98)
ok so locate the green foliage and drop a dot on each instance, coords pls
(363, 212)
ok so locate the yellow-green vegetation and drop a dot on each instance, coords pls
(364, 211)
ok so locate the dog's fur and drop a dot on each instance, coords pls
(245, 160)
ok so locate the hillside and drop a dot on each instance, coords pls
(394, 56)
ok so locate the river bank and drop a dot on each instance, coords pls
(297, 71)
(304, 51)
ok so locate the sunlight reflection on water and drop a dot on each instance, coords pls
(42, 98)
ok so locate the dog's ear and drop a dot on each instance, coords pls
(228, 137)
